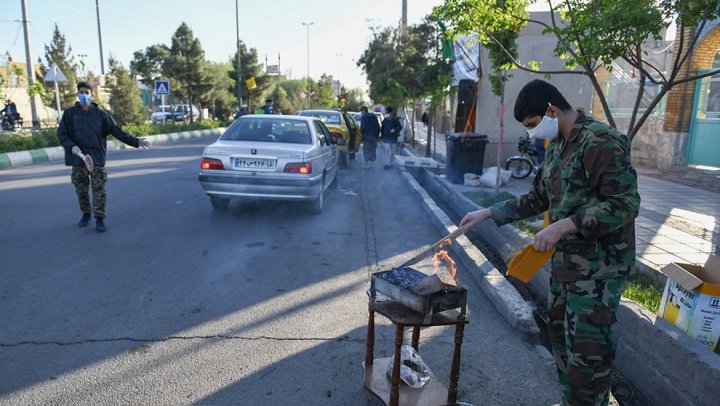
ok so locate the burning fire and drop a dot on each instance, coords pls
(442, 259)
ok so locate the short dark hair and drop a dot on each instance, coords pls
(268, 100)
(86, 85)
(389, 109)
(534, 97)
(364, 108)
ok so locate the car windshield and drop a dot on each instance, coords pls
(162, 109)
(327, 117)
(268, 130)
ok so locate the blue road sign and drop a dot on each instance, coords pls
(162, 87)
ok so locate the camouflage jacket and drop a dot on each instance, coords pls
(589, 178)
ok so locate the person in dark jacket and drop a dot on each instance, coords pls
(268, 107)
(424, 118)
(83, 130)
(11, 112)
(370, 133)
(390, 130)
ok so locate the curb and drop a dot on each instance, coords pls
(666, 365)
(9, 160)
(517, 312)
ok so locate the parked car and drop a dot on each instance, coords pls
(271, 157)
(343, 129)
(181, 112)
(161, 114)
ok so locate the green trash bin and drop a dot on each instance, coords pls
(465, 154)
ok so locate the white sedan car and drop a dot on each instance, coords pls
(271, 157)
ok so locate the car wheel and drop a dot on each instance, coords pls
(219, 203)
(519, 168)
(316, 205)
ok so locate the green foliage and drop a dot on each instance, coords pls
(644, 291)
(47, 137)
(149, 63)
(186, 65)
(487, 199)
(220, 100)
(355, 98)
(59, 52)
(22, 141)
(249, 67)
(125, 102)
(413, 67)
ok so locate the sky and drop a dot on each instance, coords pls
(339, 33)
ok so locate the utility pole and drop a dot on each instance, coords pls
(403, 21)
(238, 69)
(102, 61)
(29, 65)
(307, 25)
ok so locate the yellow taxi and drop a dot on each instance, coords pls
(343, 128)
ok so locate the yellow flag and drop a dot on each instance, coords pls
(250, 83)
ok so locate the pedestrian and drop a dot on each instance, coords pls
(83, 131)
(424, 118)
(390, 131)
(589, 187)
(370, 133)
(11, 112)
(267, 108)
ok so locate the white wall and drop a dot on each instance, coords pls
(577, 89)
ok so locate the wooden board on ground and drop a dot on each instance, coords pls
(377, 382)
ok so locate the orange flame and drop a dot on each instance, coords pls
(442, 258)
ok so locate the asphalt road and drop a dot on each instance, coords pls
(260, 304)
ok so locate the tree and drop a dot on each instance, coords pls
(125, 101)
(57, 52)
(186, 64)
(416, 68)
(594, 34)
(250, 68)
(355, 98)
(149, 63)
(219, 99)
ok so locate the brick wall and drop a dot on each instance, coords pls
(680, 99)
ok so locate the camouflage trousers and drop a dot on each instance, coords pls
(581, 317)
(82, 179)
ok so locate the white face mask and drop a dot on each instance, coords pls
(547, 129)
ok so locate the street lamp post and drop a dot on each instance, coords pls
(337, 57)
(238, 68)
(307, 26)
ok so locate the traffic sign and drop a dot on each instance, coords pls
(162, 87)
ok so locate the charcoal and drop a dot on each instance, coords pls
(403, 277)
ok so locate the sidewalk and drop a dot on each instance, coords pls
(677, 223)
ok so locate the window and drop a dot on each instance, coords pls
(716, 61)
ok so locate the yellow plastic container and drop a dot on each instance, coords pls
(528, 262)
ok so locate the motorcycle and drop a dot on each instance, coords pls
(526, 163)
(15, 126)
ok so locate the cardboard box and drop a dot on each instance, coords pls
(691, 300)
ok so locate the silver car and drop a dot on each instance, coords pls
(271, 157)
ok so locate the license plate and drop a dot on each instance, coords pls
(259, 164)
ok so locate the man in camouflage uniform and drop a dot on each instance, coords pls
(83, 130)
(589, 187)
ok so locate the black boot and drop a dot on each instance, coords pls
(84, 220)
